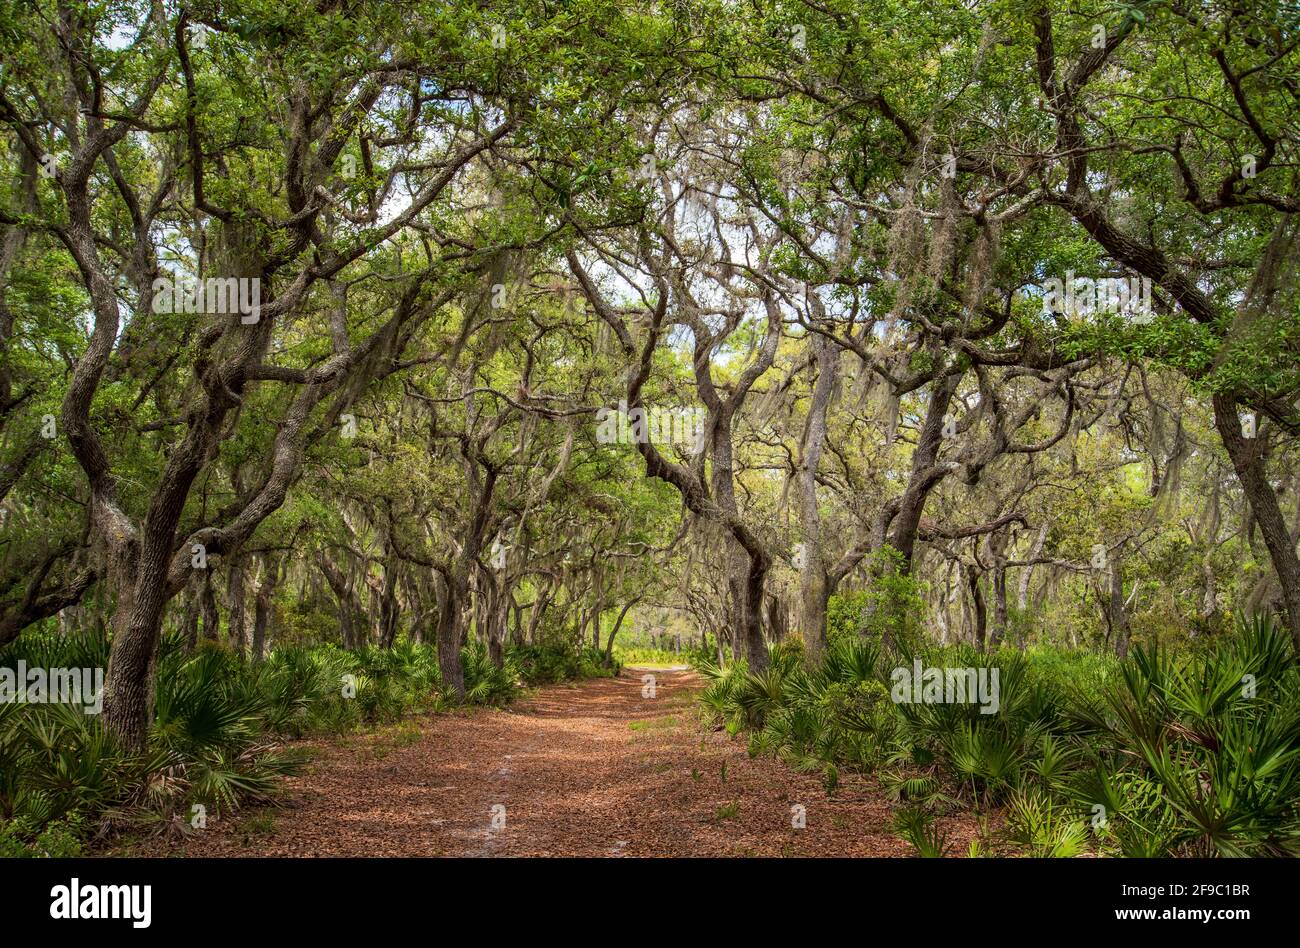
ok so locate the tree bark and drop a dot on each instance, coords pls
(752, 629)
(979, 611)
(997, 548)
(211, 615)
(389, 613)
(618, 624)
(1027, 571)
(262, 603)
(1248, 461)
(235, 606)
(190, 614)
(343, 588)
(128, 686)
(925, 473)
(449, 635)
(1117, 615)
(814, 591)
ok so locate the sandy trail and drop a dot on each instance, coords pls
(585, 769)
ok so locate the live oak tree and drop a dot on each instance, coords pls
(346, 210)
(823, 230)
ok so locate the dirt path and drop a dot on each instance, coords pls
(585, 769)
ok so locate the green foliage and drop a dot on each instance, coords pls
(838, 172)
(1043, 829)
(59, 839)
(548, 663)
(891, 607)
(644, 655)
(919, 828)
(1197, 754)
(1201, 756)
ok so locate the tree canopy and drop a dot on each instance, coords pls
(744, 320)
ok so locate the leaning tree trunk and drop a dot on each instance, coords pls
(128, 689)
(541, 602)
(1248, 461)
(618, 624)
(925, 474)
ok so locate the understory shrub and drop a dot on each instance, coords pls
(551, 662)
(1195, 754)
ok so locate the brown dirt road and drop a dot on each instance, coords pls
(584, 769)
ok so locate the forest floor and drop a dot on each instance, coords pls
(589, 768)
